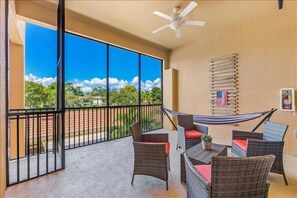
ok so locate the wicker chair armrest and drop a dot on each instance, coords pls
(149, 152)
(155, 137)
(264, 147)
(180, 128)
(195, 181)
(181, 131)
(267, 187)
(181, 137)
(245, 135)
(201, 128)
(202, 181)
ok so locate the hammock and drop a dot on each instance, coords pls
(220, 120)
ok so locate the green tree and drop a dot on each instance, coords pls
(36, 95)
(73, 95)
(126, 96)
(113, 95)
(70, 89)
(73, 101)
(146, 97)
(51, 92)
(121, 125)
(78, 91)
(98, 91)
(156, 95)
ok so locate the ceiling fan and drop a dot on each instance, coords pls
(177, 19)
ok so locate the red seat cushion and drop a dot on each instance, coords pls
(205, 171)
(167, 146)
(241, 144)
(192, 134)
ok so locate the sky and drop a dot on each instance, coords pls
(85, 62)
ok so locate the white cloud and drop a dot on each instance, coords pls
(86, 89)
(113, 81)
(148, 82)
(95, 81)
(148, 85)
(157, 81)
(88, 85)
(121, 84)
(83, 87)
(135, 81)
(45, 81)
(78, 84)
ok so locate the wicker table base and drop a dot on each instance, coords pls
(198, 156)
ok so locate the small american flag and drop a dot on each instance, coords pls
(222, 98)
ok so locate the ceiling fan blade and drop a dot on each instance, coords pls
(188, 9)
(197, 23)
(161, 14)
(177, 33)
(161, 28)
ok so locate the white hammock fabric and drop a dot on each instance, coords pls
(221, 120)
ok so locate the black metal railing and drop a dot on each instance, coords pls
(34, 137)
(151, 117)
(33, 144)
(84, 126)
(89, 125)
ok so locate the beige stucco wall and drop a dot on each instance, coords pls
(267, 48)
(17, 95)
(17, 76)
(2, 102)
(169, 95)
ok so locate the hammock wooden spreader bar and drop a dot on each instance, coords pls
(228, 119)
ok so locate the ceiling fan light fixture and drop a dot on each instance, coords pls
(175, 24)
(176, 9)
(177, 19)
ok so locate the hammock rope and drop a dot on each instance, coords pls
(221, 120)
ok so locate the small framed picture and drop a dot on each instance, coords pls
(287, 99)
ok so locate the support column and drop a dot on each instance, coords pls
(17, 79)
(17, 96)
(170, 95)
(2, 97)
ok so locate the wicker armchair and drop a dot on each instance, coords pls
(151, 154)
(271, 141)
(189, 134)
(229, 177)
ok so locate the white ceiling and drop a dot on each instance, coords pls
(137, 18)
